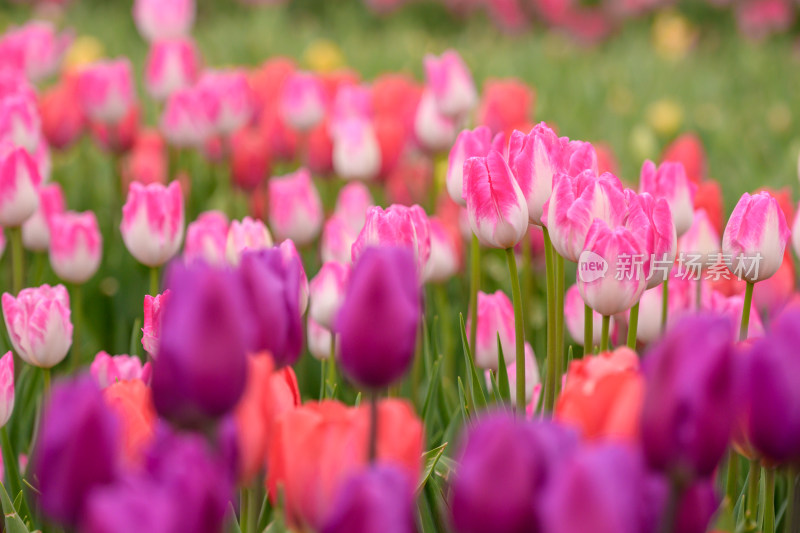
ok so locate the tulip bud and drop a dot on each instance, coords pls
(234, 99)
(498, 214)
(20, 124)
(434, 131)
(19, 181)
(250, 161)
(36, 230)
(574, 315)
(701, 240)
(446, 252)
(42, 48)
(107, 91)
(451, 83)
(38, 324)
(755, 238)
(378, 321)
(469, 143)
(506, 105)
(303, 100)
(535, 160)
(398, 225)
(76, 246)
(249, 234)
(327, 291)
(6, 388)
(292, 260)
(669, 181)
(107, 369)
(152, 222)
(188, 118)
(651, 222)
(688, 150)
(295, 208)
(356, 153)
(319, 340)
(206, 238)
(63, 122)
(151, 332)
(171, 65)
(495, 319)
(352, 204)
(163, 19)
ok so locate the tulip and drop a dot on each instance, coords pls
(19, 181)
(20, 123)
(574, 314)
(379, 499)
(755, 237)
(319, 150)
(152, 222)
(202, 323)
(206, 238)
(76, 451)
(292, 260)
(495, 320)
(249, 234)
(702, 240)
(650, 220)
(302, 100)
(327, 291)
(38, 324)
(272, 287)
(158, 19)
(398, 225)
(231, 91)
(337, 240)
(76, 246)
(6, 388)
(117, 137)
(697, 507)
(188, 118)
(295, 208)
(451, 83)
(350, 101)
(378, 321)
(732, 307)
(469, 143)
(352, 204)
(690, 397)
(36, 230)
(42, 48)
(356, 152)
(107, 91)
(63, 122)
(151, 332)
(319, 340)
(669, 181)
(688, 150)
(132, 403)
(435, 131)
(250, 163)
(171, 65)
(446, 252)
(506, 105)
(679, 300)
(107, 369)
(535, 159)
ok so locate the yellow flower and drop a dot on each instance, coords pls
(673, 36)
(323, 56)
(665, 116)
(84, 50)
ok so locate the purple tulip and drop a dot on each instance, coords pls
(272, 288)
(378, 499)
(201, 368)
(505, 466)
(698, 504)
(691, 392)
(76, 451)
(377, 323)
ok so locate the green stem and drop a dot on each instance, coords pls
(588, 330)
(633, 326)
(769, 500)
(244, 509)
(373, 427)
(46, 376)
(789, 519)
(664, 304)
(559, 323)
(748, 299)
(440, 291)
(17, 259)
(671, 511)
(604, 334)
(322, 364)
(332, 361)
(549, 386)
(752, 492)
(474, 287)
(519, 325)
(154, 283)
(732, 483)
(77, 320)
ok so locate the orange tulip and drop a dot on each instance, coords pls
(132, 402)
(603, 395)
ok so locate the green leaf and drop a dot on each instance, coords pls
(477, 393)
(462, 400)
(493, 394)
(13, 522)
(502, 374)
(430, 460)
(133, 348)
(233, 524)
(11, 465)
(725, 520)
(433, 388)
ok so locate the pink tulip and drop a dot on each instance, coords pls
(295, 208)
(6, 388)
(576, 203)
(445, 259)
(163, 19)
(249, 234)
(702, 240)
(337, 240)
(152, 222)
(398, 225)
(495, 318)
(435, 132)
(40, 47)
(498, 213)
(535, 159)
(356, 152)
(291, 258)
(352, 203)
(38, 324)
(651, 222)
(36, 230)
(19, 181)
(20, 123)
(669, 181)
(303, 100)
(319, 340)
(171, 65)
(107, 90)
(235, 100)
(326, 292)
(153, 312)
(469, 143)
(451, 83)
(109, 369)
(755, 238)
(679, 301)
(76, 246)
(611, 276)
(350, 102)
(206, 238)
(574, 317)
(188, 118)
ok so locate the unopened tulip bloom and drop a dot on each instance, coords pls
(452, 84)
(108, 369)
(574, 315)
(42, 48)
(651, 222)
(498, 213)
(690, 397)
(576, 203)
(38, 324)
(36, 230)
(171, 65)
(231, 92)
(152, 222)
(434, 131)
(132, 402)
(203, 322)
(107, 90)
(63, 122)
(681, 294)
(295, 208)
(163, 19)
(337, 240)
(352, 204)
(206, 238)
(244, 235)
(755, 237)
(669, 181)
(506, 105)
(397, 225)
(495, 319)
(303, 100)
(20, 123)
(469, 143)
(77, 449)
(327, 291)
(153, 312)
(702, 240)
(6, 388)
(291, 259)
(76, 246)
(188, 117)
(535, 159)
(319, 340)
(356, 152)
(446, 252)
(250, 159)
(378, 321)
(19, 181)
